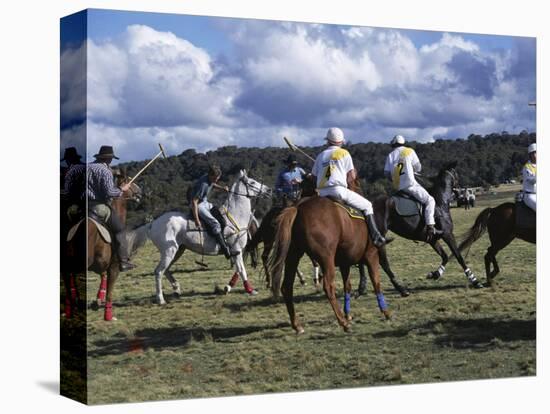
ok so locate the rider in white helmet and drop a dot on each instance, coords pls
(529, 173)
(401, 165)
(333, 171)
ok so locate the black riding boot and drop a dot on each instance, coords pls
(223, 245)
(374, 234)
(124, 260)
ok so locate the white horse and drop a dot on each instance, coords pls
(174, 232)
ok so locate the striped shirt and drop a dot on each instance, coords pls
(75, 183)
(101, 185)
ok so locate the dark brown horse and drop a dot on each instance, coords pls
(500, 221)
(326, 233)
(414, 227)
(97, 255)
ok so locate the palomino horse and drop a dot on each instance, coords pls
(100, 256)
(174, 232)
(501, 223)
(326, 233)
(414, 227)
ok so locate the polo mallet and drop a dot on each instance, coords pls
(149, 163)
(296, 149)
(201, 263)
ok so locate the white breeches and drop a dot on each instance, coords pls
(530, 201)
(348, 197)
(426, 199)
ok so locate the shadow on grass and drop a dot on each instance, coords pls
(468, 334)
(436, 287)
(163, 338)
(270, 301)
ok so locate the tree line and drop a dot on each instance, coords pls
(482, 161)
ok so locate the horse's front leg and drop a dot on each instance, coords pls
(166, 258)
(451, 242)
(112, 275)
(344, 270)
(385, 264)
(170, 276)
(241, 270)
(436, 274)
(329, 286)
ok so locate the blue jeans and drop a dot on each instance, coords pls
(206, 216)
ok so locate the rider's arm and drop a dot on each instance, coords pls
(220, 187)
(351, 177)
(528, 176)
(417, 167)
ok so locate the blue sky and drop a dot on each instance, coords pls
(204, 82)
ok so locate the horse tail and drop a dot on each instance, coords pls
(136, 238)
(477, 230)
(252, 247)
(283, 235)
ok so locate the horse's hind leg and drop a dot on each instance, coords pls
(329, 285)
(265, 263)
(101, 292)
(490, 258)
(287, 289)
(166, 258)
(436, 274)
(451, 242)
(383, 259)
(170, 276)
(344, 270)
(374, 274)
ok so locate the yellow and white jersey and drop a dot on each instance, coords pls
(529, 173)
(401, 164)
(332, 166)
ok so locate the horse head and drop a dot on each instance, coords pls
(449, 175)
(252, 188)
(134, 192)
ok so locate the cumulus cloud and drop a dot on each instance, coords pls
(295, 79)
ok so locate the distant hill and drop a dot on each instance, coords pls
(482, 161)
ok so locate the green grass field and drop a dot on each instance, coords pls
(204, 344)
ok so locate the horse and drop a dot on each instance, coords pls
(414, 227)
(174, 232)
(500, 221)
(93, 253)
(326, 233)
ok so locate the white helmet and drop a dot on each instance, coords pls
(335, 136)
(398, 139)
(532, 148)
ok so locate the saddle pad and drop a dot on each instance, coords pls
(105, 234)
(73, 230)
(353, 213)
(525, 217)
(406, 207)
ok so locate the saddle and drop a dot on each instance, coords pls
(406, 205)
(526, 218)
(215, 211)
(352, 212)
(105, 234)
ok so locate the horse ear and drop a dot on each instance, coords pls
(242, 173)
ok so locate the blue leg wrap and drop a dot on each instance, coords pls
(347, 303)
(381, 301)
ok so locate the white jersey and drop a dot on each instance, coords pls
(529, 173)
(332, 166)
(401, 164)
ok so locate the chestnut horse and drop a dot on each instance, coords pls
(325, 232)
(501, 223)
(100, 256)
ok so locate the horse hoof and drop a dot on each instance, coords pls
(387, 315)
(95, 305)
(347, 328)
(433, 275)
(227, 289)
(349, 318)
(299, 330)
(404, 293)
(303, 282)
(477, 285)
(253, 292)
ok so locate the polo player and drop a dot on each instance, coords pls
(333, 172)
(529, 173)
(201, 207)
(74, 185)
(101, 190)
(287, 185)
(401, 165)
